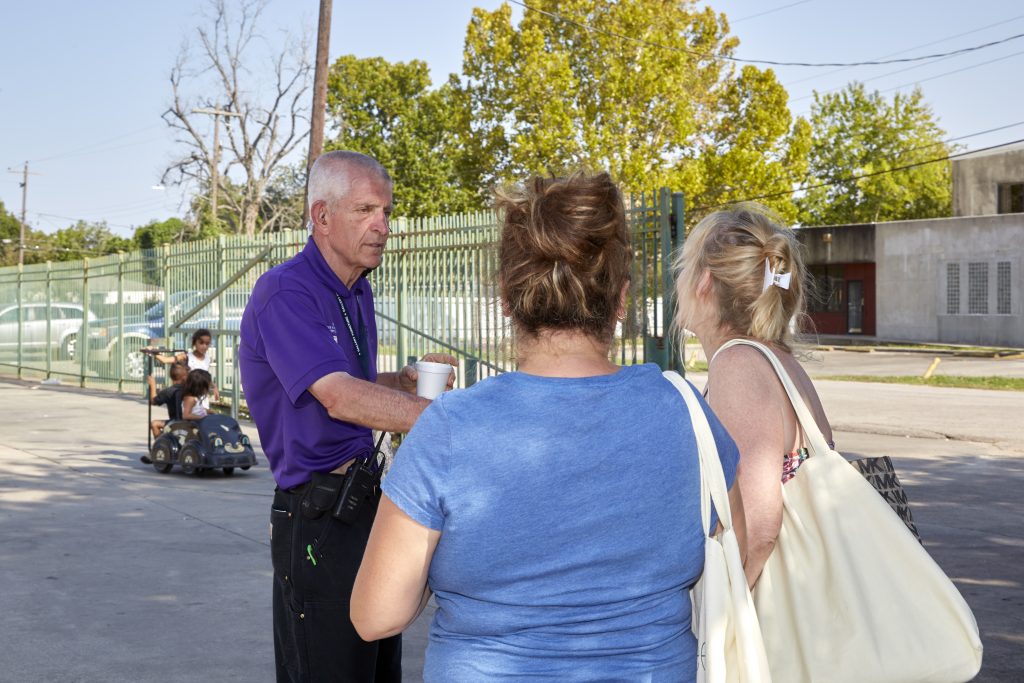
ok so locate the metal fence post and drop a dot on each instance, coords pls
(82, 345)
(236, 378)
(678, 235)
(400, 311)
(120, 321)
(221, 277)
(21, 313)
(165, 275)
(49, 321)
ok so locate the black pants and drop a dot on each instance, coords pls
(314, 639)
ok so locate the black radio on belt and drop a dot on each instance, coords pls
(342, 494)
(360, 482)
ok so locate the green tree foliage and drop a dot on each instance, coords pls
(546, 95)
(388, 110)
(10, 236)
(854, 133)
(83, 240)
(282, 203)
(156, 233)
(753, 149)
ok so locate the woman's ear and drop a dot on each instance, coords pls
(705, 285)
(620, 313)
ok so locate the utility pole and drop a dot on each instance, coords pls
(214, 167)
(24, 202)
(316, 133)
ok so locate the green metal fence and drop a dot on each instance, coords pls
(84, 322)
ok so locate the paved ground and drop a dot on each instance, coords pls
(114, 572)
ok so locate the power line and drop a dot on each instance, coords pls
(792, 178)
(76, 152)
(916, 47)
(768, 11)
(955, 71)
(770, 62)
(922, 80)
(861, 176)
(83, 220)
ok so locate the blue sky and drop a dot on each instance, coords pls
(83, 84)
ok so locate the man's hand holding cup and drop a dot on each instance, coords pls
(430, 376)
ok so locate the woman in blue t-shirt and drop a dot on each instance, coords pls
(554, 512)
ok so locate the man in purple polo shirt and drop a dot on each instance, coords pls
(308, 360)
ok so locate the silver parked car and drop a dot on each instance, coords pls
(65, 322)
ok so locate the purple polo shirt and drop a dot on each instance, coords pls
(292, 334)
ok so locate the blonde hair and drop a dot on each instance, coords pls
(732, 247)
(564, 254)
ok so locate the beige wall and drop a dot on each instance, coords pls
(976, 179)
(911, 267)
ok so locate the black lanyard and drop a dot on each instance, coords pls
(361, 353)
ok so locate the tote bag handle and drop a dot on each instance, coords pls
(712, 478)
(817, 441)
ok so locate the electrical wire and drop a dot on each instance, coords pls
(860, 176)
(769, 62)
(78, 151)
(955, 71)
(916, 47)
(83, 220)
(768, 11)
(922, 80)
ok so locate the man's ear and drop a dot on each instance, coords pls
(318, 215)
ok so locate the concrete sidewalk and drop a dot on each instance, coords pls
(113, 572)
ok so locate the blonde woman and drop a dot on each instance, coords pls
(740, 275)
(553, 511)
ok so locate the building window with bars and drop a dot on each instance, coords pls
(1011, 198)
(952, 289)
(1003, 288)
(977, 288)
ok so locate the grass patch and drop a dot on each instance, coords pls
(957, 381)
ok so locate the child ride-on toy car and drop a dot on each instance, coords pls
(214, 442)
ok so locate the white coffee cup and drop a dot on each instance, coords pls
(432, 379)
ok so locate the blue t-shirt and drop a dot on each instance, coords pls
(292, 334)
(570, 527)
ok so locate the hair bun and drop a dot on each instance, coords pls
(564, 243)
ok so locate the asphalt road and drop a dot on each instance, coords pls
(114, 572)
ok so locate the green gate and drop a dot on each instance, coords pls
(85, 321)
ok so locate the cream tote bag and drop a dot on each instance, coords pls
(849, 594)
(729, 646)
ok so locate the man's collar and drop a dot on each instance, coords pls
(318, 263)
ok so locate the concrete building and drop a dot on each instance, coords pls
(951, 280)
(992, 182)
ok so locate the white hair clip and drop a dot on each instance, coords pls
(780, 280)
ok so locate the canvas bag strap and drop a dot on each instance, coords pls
(817, 441)
(712, 479)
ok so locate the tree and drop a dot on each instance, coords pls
(84, 240)
(388, 111)
(665, 109)
(282, 206)
(856, 133)
(10, 237)
(752, 149)
(549, 93)
(267, 129)
(157, 233)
